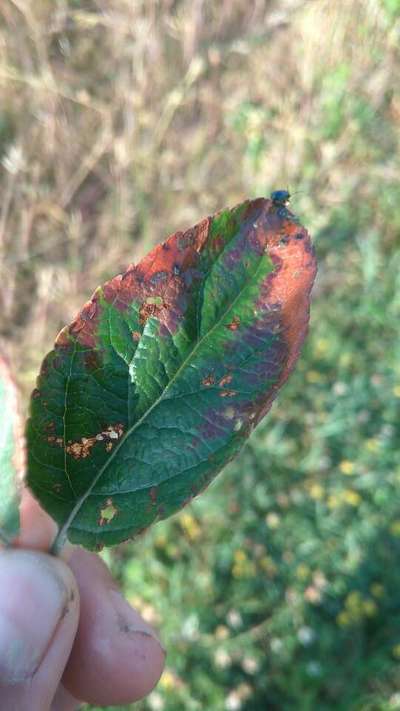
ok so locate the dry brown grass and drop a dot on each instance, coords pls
(121, 121)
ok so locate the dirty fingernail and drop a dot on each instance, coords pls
(33, 598)
(129, 621)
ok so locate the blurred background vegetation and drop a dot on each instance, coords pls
(124, 120)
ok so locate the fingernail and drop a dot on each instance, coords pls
(129, 621)
(33, 598)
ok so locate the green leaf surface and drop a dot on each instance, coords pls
(161, 377)
(11, 457)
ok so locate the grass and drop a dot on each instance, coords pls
(121, 122)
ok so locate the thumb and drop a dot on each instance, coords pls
(39, 610)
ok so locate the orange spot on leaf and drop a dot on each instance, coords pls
(234, 324)
(225, 380)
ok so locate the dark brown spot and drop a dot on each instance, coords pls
(225, 380)
(227, 393)
(136, 335)
(299, 235)
(208, 380)
(92, 360)
(151, 308)
(186, 240)
(153, 494)
(36, 394)
(234, 324)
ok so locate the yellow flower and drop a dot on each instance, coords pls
(369, 607)
(316, 491)
(396, 391)
(313, 376)
(353, 601)
(333, 501)
(221, 632)
(267, 564)
(168, 680)
(343, 619)
(346, 467)
(351, 497)
(372, 445)
(161, 540)
(345, 359)
(242, 567)
(396, 651)
(395, 527)
(322, 346)
(190, 526)
(302, 571)
(377, 590)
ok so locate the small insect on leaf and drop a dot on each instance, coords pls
(280, 198)
(163, 374)
(11, 456)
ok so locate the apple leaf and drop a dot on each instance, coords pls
(11, 456)
(163, 374)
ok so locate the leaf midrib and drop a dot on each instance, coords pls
(66, 525)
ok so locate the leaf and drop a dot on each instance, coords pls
(163, 374)
(11, 456)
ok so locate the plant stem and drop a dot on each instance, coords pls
(59, 542)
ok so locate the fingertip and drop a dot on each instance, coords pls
(37, 528)
(39, 611)
(117, 657)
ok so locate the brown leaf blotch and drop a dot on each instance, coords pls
(82, 449)
(150, 309)
(234, 324)
(153, 494)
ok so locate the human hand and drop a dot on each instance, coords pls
(66, 633)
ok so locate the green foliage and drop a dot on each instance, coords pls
(192, 110)
(392, 7)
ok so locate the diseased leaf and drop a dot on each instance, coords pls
(11, 456)
(161, 377)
